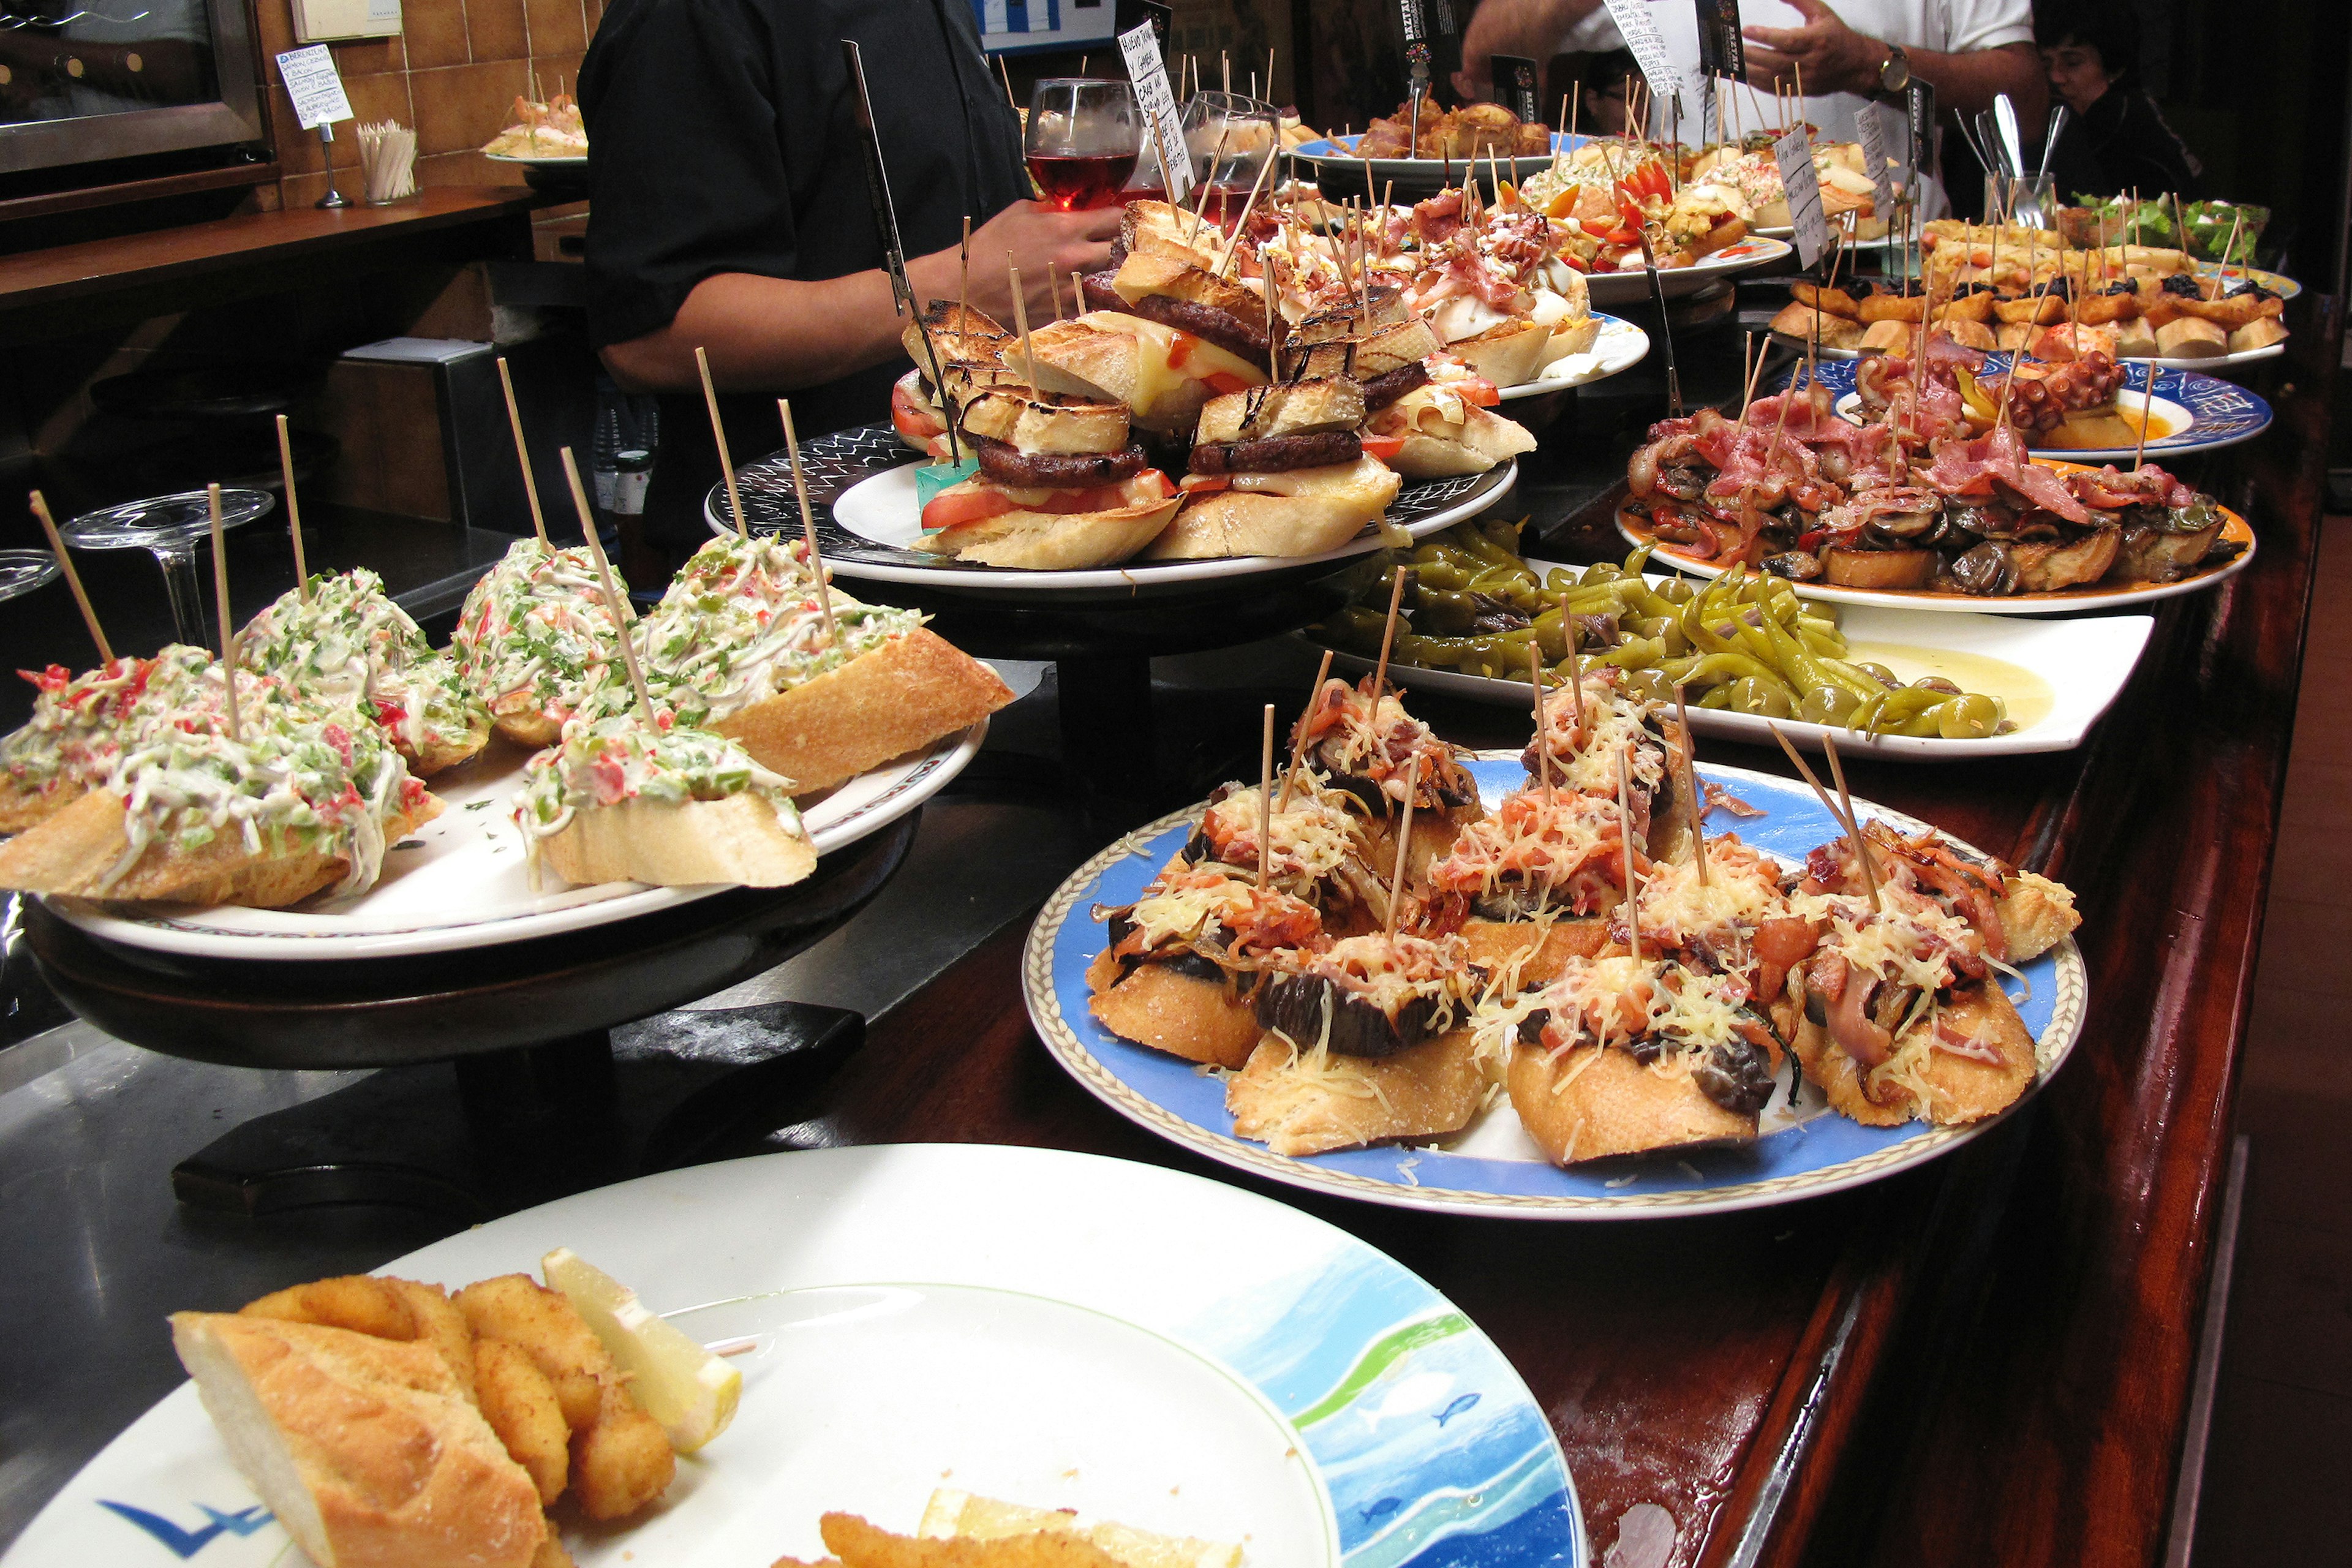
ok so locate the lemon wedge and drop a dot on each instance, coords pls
(682, 1385)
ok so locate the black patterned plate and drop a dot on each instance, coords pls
(861, 486)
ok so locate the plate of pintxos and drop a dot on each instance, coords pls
(1463, 1010)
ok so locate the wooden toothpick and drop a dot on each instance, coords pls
(2147, 407)
(1575, 669)
(1265, 801)
(1853, 821)
(1298, 746)
(227, 626)
(522, 456)
(718, 437)
(611, 591)
(73, 579)
(1021, 319)
(1690, 787)
(1388, 636)
(1632, 886)
(294, 506)
(808, 524)
(1828, 800)
(1543, 741)
(1404, 843)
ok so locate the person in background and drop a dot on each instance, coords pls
(1603, 81)
(2118, 140)
(731, 213)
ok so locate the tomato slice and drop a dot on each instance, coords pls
(1226, 380)
(1382, 446)
(1180, 349)
(960, 508)
(1210, 484)
(910, 420)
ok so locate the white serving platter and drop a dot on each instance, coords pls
(1620, 346)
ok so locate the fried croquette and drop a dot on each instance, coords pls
(551, 1553)
(400, 1309)
(547, 1328)
(862, 1545)
(623, 1460)
(519, 1403)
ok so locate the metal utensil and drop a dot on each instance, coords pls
(2058, 116)
(1989, 144)
(2004, 114)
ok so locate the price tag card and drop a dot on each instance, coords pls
(1163, 125)
(1640, 31)
(1873, 125)
(313, 85)
(1721, 51)
(1919, 107)
(1517, 88)
(1794, 153)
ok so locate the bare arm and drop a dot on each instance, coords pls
(1528, 28)
(1830, 57)
(780, 334)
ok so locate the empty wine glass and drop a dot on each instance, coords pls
(1230, 138)
(22, 571)
(168, 528)
(1082, 140)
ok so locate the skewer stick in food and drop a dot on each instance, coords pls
(612, 593)
(73, 578)
(718, 435)
(1625, 837)
(294, 506)
(963, 274)
(1388, 639)
(1690, 788)
(1853, 821)
(1021, 319)
(1829, 804)
(1234, 245)
(227, 623)
(1167, 180)
(808, 524)
(1404, 844)
(2147, 402)
(1265, 801)
(1575, 668)
(1747, 392)
(522, 456)
(1543, 750)
(1200, 201)
(1298, 746)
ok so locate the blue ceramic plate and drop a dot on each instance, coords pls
(1051, 1329)
(1493, 1167)
(2203, 413)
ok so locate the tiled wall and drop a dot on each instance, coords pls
(453, 76)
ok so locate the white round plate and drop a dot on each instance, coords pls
(552, 161)
(2071, 670)
(2215, 362)
(458, 881)
(1493, 1167)
(1049, 1329)
(2203, 412)
(1620, 346)
(863, 495)
(1341, 151)
(2072, 602)
(1633, 288)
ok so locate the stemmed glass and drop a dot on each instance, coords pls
(22, 571)
(1082, 141)
(168, 527)
(1230, 138)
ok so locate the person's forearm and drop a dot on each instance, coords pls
(1968, 83)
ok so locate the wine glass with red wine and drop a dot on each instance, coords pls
(1229, 138)
(1082, 140)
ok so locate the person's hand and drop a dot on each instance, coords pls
(1528, 28)
(1035, 238)
(1832, 56)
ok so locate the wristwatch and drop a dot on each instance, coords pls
(1894, 70)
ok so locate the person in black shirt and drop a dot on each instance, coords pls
(731, 210)
(2118, 140)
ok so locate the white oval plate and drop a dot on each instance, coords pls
(881, 511)
(2083, 662)
(2074, 602)
(1633, 288)
(1620, 346)
(1052, 1329)
(458, 881)
(1493, 1167)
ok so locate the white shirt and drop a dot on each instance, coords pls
(1941, 27)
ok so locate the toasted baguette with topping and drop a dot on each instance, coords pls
(1611, 1105)
(366, 1449)
(1186, 1015)
(1144, 274)
(1296, 1106)
(894, 698)
(1019, 417)
(737, 839)
(1961, 1089)
(1300, 511)
(1285, 408)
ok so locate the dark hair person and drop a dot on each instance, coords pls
(2118, 140)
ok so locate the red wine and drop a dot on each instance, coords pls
(1225, 204)
(1081, 180)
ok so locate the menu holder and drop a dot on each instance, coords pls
(1871, 124)
(1722, 51)
(1149, 74)
(1517, 87)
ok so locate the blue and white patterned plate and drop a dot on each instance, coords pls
(2203, 413)
(1493, 1167)
(1051, 1329)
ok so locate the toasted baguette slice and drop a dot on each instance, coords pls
(1155, 228)
(958, 333)
(1508, 354)
(1540, 950)
(1295, 1106)
(2036, 914)
(950, 1514)
(1437, 446)
(1019, 417)
(1571, 335)
(1302, 511)
(366, 1449)
(738, 840)
(1289, 408)
(1184, 1015)
(1959, 1088)
(1111, 354)
(896, 699)
(1144, 274)
(72, 852)
(1597, 1100)
(22, 805)
(1387, 309)
(1056, 541)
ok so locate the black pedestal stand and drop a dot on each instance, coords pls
(517, 1072)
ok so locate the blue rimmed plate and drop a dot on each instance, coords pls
(2197, 413)
(1493, 1167)
(1052, 1329)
